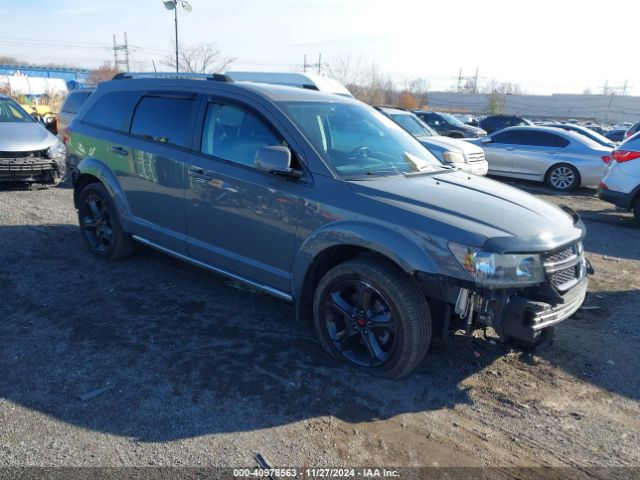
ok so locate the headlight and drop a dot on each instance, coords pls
(498, 270)
(453, 157)
(56, 151)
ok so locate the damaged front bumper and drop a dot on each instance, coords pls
(32, 169)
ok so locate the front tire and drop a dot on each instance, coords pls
(100, 224)
(370, 314)
(563, 177)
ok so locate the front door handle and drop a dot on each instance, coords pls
(199, 172)
(510, 149)
(121, 152)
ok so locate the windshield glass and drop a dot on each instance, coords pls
(357, 140)
(413, 125)
(451, 119)
(10, 111)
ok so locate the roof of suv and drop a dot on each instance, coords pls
(275, 93)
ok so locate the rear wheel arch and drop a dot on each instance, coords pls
(563, 164)
(80, 183)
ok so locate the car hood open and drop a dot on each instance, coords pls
(24, 137)
(504, 217)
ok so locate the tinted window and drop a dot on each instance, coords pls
(509, 138)
(74, 101)
(235, 134)
(531, 138)
(162, 119)
(112, 110)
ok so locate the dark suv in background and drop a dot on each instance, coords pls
(493, 123)
(321, 200)
(72, 103)
(448, 125)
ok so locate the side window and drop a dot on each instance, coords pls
(508, 138)
(545, 139)
(235, 134)
(112, 110)
(162, 119)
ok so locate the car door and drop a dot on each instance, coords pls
(499, 152)
(537, 152)
(156, 179)
(240, 219)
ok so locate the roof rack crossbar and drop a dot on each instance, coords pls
(218, 77)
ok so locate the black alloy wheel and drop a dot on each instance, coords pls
(360, 323)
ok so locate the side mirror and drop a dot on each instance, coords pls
(486, 139)
(277, 161)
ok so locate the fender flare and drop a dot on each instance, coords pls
(377, 238)
(97, 169)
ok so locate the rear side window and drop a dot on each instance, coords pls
(162, 119)
(112, 110)
(74, 101)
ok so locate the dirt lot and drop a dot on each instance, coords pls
(203, 372)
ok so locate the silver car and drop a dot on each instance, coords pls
(28, 151)
(459, 153)
(562, 159)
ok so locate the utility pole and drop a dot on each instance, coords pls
(124, 47)
(475, 82)
(624, 88)
(605, 90)
(459, 80)
(318, 65)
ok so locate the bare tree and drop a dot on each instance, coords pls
(104, 72)
(497, 92)
(200, 58)
(365, 81)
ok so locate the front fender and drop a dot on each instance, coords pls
(96, 168)
(408, 250)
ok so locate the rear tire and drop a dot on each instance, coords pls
(100, 225)
(371, 315)
(563, 177)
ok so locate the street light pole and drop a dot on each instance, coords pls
(175, 11)
(173, 5)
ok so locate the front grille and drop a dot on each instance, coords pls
(565, 267)
(27, 154)
(560, 255)
(475, 157)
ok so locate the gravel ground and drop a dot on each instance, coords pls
(199, 371)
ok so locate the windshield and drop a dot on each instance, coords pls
(413, 125)
(451, 120)
(595, 136)
(10, 111)
(357, 140)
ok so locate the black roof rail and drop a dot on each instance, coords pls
(379, 107)
(217, 77)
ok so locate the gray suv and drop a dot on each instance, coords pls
(323, 201)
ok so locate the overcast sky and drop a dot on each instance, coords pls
(544, 45)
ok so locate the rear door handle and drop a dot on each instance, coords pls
(121, 152)
(509, 149)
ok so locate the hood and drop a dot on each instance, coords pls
(471, 128)
(478, 209)
(24, 136)
(448, 143)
